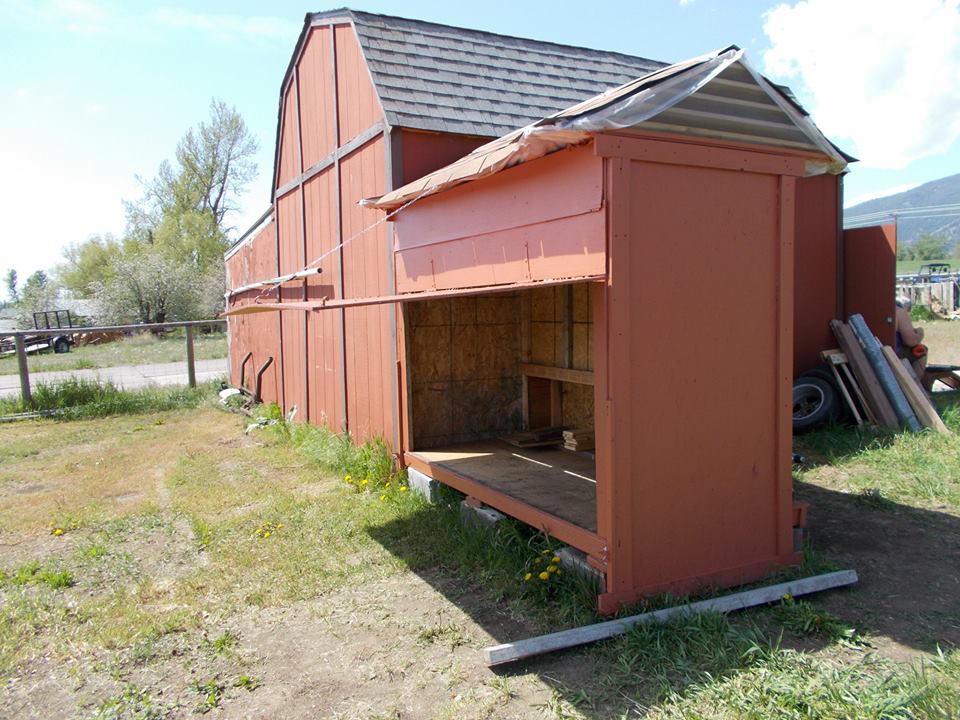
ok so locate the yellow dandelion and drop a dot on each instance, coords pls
(787, 597)
(551, 568)
(364, 482)
(544, 576)
(259, 531)
(279, 525)
(536, 561)
(526, 578)
(544, 552)
(556, 560)
(266, 534)
(58, 531)
(403, 488)
(347, 478)
(382, 498)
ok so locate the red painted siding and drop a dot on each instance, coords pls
(423, 152)
(316, 97)
(289, 166)
(323, 336)
(256, 260)
(815, 271)
(693, 383)
(369, 334)
(870, 271)
(358, 106)
(294, 340)
(548, 224)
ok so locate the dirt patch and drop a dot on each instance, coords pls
(908, 561)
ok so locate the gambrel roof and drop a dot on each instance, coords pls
(468, 82)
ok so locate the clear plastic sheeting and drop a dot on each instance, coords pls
(627, 106)
(649, 102)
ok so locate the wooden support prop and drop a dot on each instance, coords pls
(509, 652)
(917, 398)
(846, 394)
(876, 399)
(838, 362)
(25, 396)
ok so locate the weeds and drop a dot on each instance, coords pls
(802, 618)
(211, 693)
(133, 702)
(33, 573)
(77, 398)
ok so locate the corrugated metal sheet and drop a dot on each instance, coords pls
(666, 100)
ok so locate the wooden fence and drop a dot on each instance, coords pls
(22, 337)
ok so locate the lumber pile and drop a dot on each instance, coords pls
(879, 388)
(578, 439)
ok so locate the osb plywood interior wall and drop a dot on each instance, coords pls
(464, 362)
(551, 343)
(464, 368)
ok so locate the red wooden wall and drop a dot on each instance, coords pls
(328, 102)
(254, 260)
(693, 379)
(815, 269)
(870, 276)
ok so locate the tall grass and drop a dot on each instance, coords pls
(78, 398)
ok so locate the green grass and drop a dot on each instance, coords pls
(160, 582)
(77, 398)
(884, 469)
(140, 349)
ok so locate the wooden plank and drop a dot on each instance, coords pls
(874, 353)
(581, 538)
(581, 377)
(509, 652)
(875, 397)
(846, 394)
(915, 395)
(837, 359)
(24, 369)
(852, 382)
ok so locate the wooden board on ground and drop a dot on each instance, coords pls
(509, 652)
(917, 398)
(875, 397)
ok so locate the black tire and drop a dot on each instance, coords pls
(61, 345)
(822, 372)
(815, 403)
(841, 412)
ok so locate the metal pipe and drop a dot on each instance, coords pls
(275, 281)
(243, 369)
(874, 353)
(260, 372)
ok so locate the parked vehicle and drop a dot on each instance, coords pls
(45, 320)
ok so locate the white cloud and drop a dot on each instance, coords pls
(229, 27)
(78, 16)
(884, 74)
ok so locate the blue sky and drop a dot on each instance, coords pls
(94, 92)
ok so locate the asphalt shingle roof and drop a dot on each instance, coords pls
(456, 80)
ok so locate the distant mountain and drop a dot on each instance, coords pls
(945, 191)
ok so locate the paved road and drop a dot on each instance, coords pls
(125, 376)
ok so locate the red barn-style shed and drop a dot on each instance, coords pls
(638, 263)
